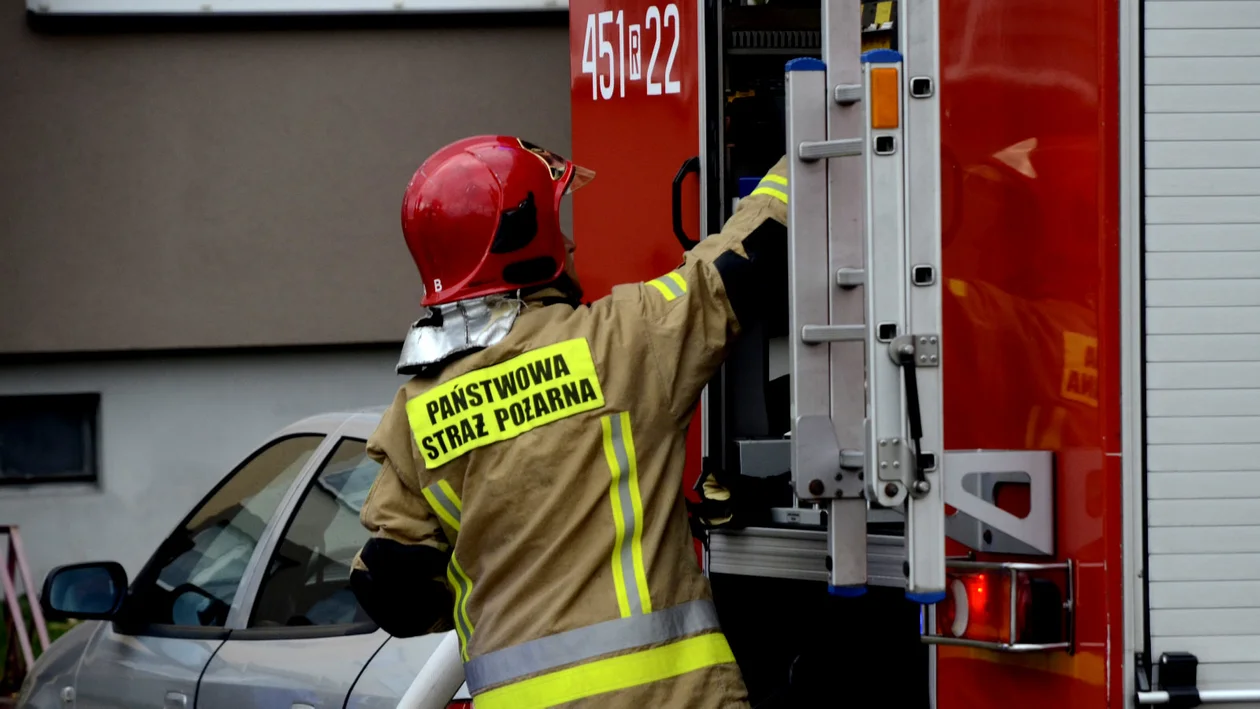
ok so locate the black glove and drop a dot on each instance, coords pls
(735, 501)
(401, 590)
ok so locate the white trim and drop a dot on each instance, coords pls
(293, 7)
(1131, 384)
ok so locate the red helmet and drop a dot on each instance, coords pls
(482, 216)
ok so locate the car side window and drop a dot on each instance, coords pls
(194, 577)
(307, 582)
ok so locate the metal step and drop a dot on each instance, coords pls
(799, 554)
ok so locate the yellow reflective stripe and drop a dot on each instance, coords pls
(463, 588)
(678, 280)
(619, 523)
(445, 503)
(777, 194)
(777, 179)
(610, 675)
(629, 571)
(450, 492)
(636, 502)
(664, 289)
(671, 285)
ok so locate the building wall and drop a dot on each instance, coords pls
(201, 185)
(169, 429)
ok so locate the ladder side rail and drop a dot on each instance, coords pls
(846, 205)
(925, 514)
(887, 454)
(815, 453)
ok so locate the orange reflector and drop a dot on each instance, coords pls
(885, 95)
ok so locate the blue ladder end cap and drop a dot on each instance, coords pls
(747, 185)
(847, 591)
(881, 56)
(927, 598)
(806, 64)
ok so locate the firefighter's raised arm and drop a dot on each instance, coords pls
(691, 313)
(399, 576)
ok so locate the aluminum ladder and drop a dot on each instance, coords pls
(863, 136)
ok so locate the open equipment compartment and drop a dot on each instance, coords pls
(769, 579)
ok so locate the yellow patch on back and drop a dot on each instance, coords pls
(501, 402)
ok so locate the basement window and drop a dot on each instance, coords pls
(48, 438)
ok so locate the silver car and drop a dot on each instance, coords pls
(246, 604)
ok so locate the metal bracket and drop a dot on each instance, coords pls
(971, 480)
(892, 459)
(926, 349)
(798, 516)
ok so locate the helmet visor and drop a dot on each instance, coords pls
(561, 168)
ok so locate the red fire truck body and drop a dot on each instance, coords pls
(1039, 202)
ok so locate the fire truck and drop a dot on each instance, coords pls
(1002, 424)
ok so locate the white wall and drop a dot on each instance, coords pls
(170, 428)
(1202, 102)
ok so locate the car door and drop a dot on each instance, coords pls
(305, 639)
(175, 616)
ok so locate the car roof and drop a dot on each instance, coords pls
(356, 423)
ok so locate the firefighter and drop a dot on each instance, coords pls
(530, 488)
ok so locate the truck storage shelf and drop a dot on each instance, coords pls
(799, 554)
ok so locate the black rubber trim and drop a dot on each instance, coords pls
(183, 632)
(303, 632)
(689, 166)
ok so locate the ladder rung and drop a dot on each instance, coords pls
(824, 149)
(815, 334)
(850, 277)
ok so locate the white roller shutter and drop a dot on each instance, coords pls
(1202, 253)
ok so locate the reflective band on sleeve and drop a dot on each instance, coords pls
(671, 285)
(776, 179)
(563, 649)
(678, 280)
(777, 194)
(629, 574)
(611, 674)
(445, 503)
(463, 588)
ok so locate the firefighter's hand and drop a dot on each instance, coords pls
(716, 509)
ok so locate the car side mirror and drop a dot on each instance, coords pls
(93, 591)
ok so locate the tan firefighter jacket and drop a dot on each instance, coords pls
(550, 466)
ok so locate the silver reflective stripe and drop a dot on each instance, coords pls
(627, 514)
(573, 646)
(671, 285)
(440, 496)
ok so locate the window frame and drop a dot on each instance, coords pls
(123, 624)
(306, 631)
(91, 402)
